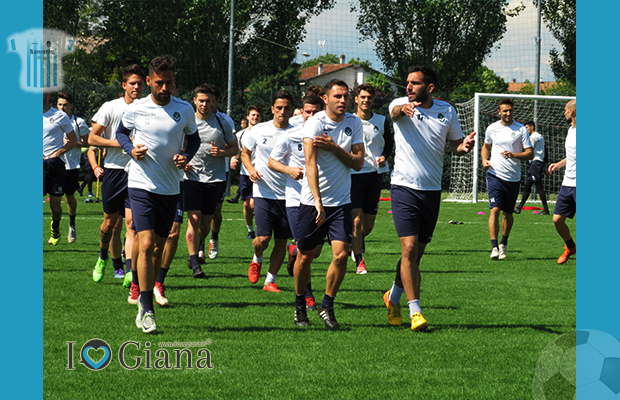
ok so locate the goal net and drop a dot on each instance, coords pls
(468, 178)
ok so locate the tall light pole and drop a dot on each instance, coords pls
(231, 56)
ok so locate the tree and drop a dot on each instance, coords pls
(453, 37)
(560, 17)
(483, 80)
(328, 58)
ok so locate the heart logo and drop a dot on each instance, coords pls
(95, 345)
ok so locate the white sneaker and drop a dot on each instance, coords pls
(72, 236)
(214, 249)
(148, 323)
(494, 253)
(502, 252)
(201, 257)
(139, 316)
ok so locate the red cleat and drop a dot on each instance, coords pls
(271, 287)
(254, 272)
(566, 255)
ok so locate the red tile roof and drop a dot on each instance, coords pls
(516, 86)
(313, 72)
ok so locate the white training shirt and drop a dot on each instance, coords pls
(109, 116)
(538, 145)
(206, 168)
(242, 137)
(289, 150)
(374, 142)
(334, 176)
(570, 175)
(297, 120)
(420, 144)
(73, 157)
(234, 130)
(56, 125)
(162, 130)
(261, 142)
(514, 138)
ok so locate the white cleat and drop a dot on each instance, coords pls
(494, 253)
(502, 252)
(72, 236)
(214, 249)
(139, 316)
(148, 323)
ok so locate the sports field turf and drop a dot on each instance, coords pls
(488, 320)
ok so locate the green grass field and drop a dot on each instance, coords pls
(488, 320)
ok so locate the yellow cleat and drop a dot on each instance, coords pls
(394, 315)
(418, 322)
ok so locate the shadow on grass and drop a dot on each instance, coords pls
(540, 328)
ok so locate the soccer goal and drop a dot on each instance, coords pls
(468, 178)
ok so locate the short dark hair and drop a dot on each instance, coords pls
(244, 119)
(66, 96)
(207, 89)
(366, 87)
(132, 69)
(531, 123)
(505, 101)
(317, 90)
(314, 100)
(253, 108)
(162, 64)
(335, 82)
(428, 75)
(283, 94)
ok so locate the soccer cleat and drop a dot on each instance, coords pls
(119, 274)
(394, 315)
(566, 255)
(301, 316)
(140, 312)
(290, 264)
(361, 268)
(328, 317)
(134, 294)
(232, 201)
(160, 295)
(198, 273)
(99, 270)
(494, 253)
(310, 304)
(271, 287)
(516, 210)
(251, 235)
(201, 257)
(214, 249)
(91, 194)
(148, 323)
(418, 322)
(254, 272)
(127, 279)
(544, 212)
(54, 237)
(502, 252)
(72, 236)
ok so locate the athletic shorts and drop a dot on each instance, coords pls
(566, 203)
(203, 197)
(366, 191)
(72, 181)
(152, 211)
(53, 176)
(178, 215)
(415, 212)
(270, 217)
(338, 226)
(245, 187)
(536, 172)
(292, 214)
(502, 194)
(221, 199)
(114, 195)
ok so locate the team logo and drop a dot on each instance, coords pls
(441, 118)
(375, 129)
(176, 116)
(48, 44)
(513, 134)
(348, 131)
(93, 347)
(52, 120)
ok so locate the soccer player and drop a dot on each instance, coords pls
(566, 203)
(287, 157)
(422, 125)
(114, 193)
(333, 144)
(507, 142)
(536, 171)
(366, 183)
(72, 159)
(268, 191)
(56, 125)
(204, 182)
(160, 123)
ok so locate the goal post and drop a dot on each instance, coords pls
(468, 178)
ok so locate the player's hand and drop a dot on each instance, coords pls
(552, 167)
(486, 164)
(320, 215)
(255, 176)
(214, 150)
(180, 161)
(296, 173)
(233, 162)
(469, 142)
(325, 142)
(507, 154)
(409, 108)
(98, 171)
(188, 167)
(381, 161)
(139, 152)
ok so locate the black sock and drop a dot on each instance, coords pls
(127, 265)
(494, 243)
(358, 259)
(146, 298)
(194, 260)
(309, 290)
(300, 300)
(570, 244)
(103, 253)
(134, 278)
(504, 240)
(201, 247)
(117, 263)
(55, 224)
(162, 275)
(72, 220)
(215, 235)
(328, 301)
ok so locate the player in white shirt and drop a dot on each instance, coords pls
(72, 159)
(56, 126)
(205, 176)
(114, 183)
(161, 123)
(507, 142)
(537, 170)
(366, 184)
(333, 145)
(268, 191)
(566, 203)
(422, 125)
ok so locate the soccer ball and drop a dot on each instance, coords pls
(596, 375)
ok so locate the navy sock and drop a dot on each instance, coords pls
(202, 246)
(194, 260)
(103, 253)
(504, 240)
(162, 275)
(134, 278)
(358, 259)
(494, 243)
(328, 301)
(72, 220)
(127, 265)
(117, 263)
(300, 300)
(146, 298)
(570, 244)
(309, 290)
(215, 235)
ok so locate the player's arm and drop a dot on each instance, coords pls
(462, 146)
(294, 172)
(231, 149)
(388, 136)
(485, 151)
(404, 110)
(354, 159)
(526, 154)
(191, 144)
(92, 159)
(95, 138)
(69, 143)
(246, 159)
(312, 174)
(557, 165)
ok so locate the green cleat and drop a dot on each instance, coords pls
(55, 236)
(99, 270)
(127, 279)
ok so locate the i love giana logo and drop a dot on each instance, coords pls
(96, 354)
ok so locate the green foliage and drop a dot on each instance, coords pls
(483, 80)
(366, 64)
(379, 81)
(560, 17)
(452, 37)
(328, 58)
